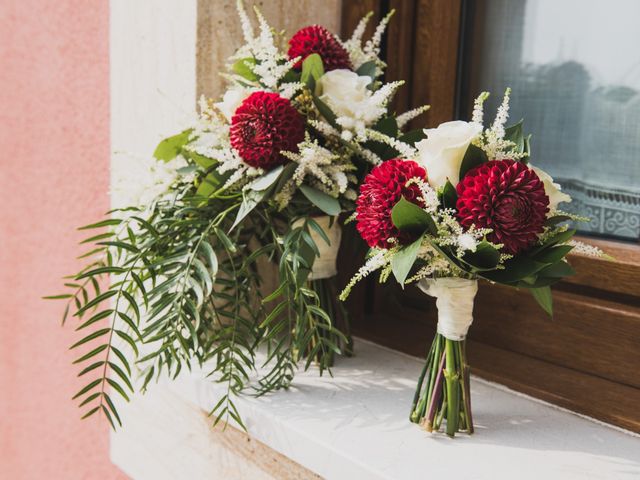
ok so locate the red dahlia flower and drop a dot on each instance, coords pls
(317, 39)
(507, 197)
(381, 190)
(264, 125)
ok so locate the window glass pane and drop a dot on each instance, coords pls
(574, 67)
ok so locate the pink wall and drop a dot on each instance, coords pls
(54, 167)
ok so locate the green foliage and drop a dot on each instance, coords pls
(171, 147)
(473, 157)
(312, 70)
(402, 261)
(326, 203)
(244, 68)
(409, 217)
(368, 69)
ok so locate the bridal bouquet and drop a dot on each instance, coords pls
(260, 178)
(470, 206)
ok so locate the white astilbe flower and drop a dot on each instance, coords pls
(406, 117)
(366, 113)
(372, 47)
(427, 194)
(247, 28)
(478, 108)
(230, 161)
(378, 260)
(318, 167)
(370, 52)
(324, 128)
(502, 116)
(585, 249)
(492, 141)
(405, 150)
(290, 89)
(148, 180)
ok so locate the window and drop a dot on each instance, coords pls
(575, 79)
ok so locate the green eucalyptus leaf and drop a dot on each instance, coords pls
(557, 270)
(544, 298)
(251, 198)
(449, 196)
(266, 180)
(486, 257)
(170, 148)
(555, 220)
(326, 203)
(325, 111)
(409, 217)
(413, 136)
(312, 70)
(553, 254)
(205, 162)
(514, 134)
(402, 261)
(368, 69)
(514, 270)
(473, 157)
(243, 67)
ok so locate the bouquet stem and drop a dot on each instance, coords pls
(443, 391)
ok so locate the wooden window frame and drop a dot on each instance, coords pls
(586, 358)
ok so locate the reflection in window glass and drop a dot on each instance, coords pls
(574, 68)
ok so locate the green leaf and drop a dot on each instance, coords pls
(553, 254)
(251, 198)
(243, 67)
(368, 69)
(326, 112)
(515, 270)
(557, 270)
(544, 299)
(555, 220)
(473, 157)
(388, 126)
(402, 261)
(87, 388)
(266, 180)
(109, 222)
(486, 257)
(170, 148)
(413, 136)
(200, 160)
(409, 217)
(514, 134)
(326, 203)
(312, 70)
(449, 196)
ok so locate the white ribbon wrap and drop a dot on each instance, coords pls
(325, 265)
(454, 299)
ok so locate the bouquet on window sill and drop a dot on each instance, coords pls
(260, 178)
(470, 206)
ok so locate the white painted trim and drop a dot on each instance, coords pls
(152, 75)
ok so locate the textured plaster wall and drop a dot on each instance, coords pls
(54, 174)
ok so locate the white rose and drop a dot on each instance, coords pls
(441, 153)
(553, 190)
(345, 92)
(231, 100)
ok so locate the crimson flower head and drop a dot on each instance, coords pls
(264, 125)
(317, 39)
(379, 193)
(507, 197)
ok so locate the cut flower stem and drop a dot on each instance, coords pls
(443, 394)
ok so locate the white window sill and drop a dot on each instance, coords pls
(355, 426)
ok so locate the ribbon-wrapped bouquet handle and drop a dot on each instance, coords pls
(443, 387)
